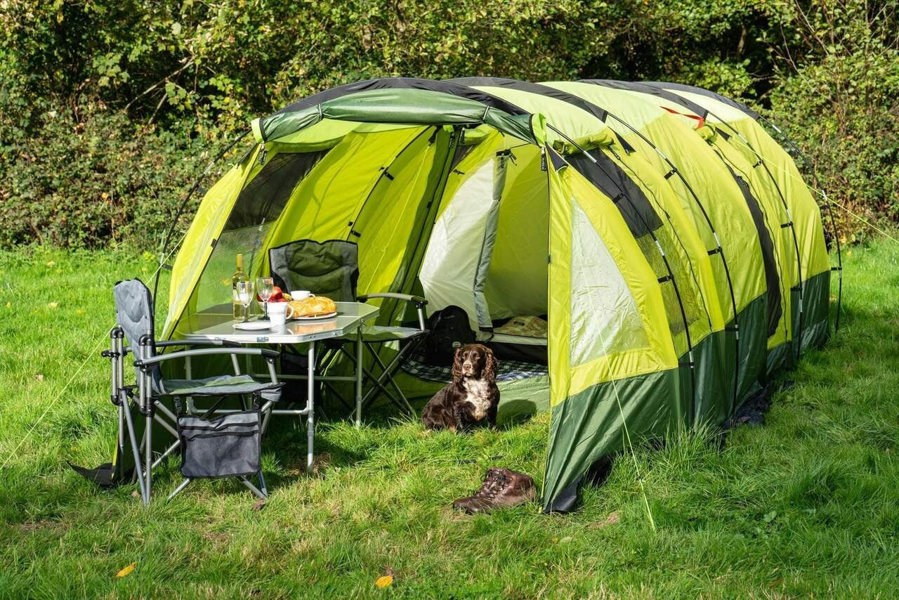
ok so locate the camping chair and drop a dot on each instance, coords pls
(221, 446)
(331, 269)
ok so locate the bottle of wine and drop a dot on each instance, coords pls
(239, 275)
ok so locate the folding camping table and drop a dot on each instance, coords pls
(349, 320)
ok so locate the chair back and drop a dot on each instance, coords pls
(329, 268)
(134, 315)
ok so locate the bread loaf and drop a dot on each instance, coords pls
(313, 306)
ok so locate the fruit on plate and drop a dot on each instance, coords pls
(277, 295)
(313, 306)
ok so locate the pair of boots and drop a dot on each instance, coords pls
(501, 488)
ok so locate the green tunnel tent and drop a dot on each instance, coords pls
(633, 225)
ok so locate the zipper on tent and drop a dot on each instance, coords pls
(263, 152)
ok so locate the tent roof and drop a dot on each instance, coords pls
(402, 100)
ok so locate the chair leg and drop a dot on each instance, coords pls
(259, 493)
(180, 488)
(135, 450)
(148, 465)
(262, 485)
(386, 375)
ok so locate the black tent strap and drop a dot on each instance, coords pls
(786, 225)
(558, 162)
(666, 279)
(652, 89)
(715, 251)
(507, 153)
(702, 92)
(534, 88)
(628, 149)
(671, 173)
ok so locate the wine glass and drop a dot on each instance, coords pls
(245, 297)
(265, 287)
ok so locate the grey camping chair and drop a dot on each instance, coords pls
(213, 442)
(331, 268)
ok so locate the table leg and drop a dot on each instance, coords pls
(358, 376)
(310, 403)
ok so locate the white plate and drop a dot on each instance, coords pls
(316, 317)
(253, 325)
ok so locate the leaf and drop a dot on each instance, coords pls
(127, 570)
(384, 581)
(612, 519)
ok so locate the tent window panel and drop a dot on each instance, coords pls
(213, 291)
(690, 295)
(604, 317)
(263, 199)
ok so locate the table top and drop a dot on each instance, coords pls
(350, 315)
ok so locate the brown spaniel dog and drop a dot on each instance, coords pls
(471, 398)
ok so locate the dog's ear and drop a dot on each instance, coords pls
(490, 366)
(457, 364)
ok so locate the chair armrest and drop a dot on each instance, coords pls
(206, 352)
(166, 343)
(418, 300)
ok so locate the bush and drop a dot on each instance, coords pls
(108, 109)
(840, 105)
(95, 182)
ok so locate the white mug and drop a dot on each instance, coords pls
(278, 313)
(299, 294)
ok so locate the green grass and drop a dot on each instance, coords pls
(806, 505)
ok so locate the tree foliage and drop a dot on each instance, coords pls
(141, 87)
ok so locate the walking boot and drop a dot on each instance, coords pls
(501, 488)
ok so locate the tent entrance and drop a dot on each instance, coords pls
(489, 245)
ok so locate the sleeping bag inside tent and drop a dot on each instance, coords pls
(633, 266)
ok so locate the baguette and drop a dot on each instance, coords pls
(313, 306)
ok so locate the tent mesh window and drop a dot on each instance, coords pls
(267, 194)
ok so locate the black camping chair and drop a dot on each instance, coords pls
(214, 442)
(331, 269)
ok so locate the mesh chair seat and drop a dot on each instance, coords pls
(384, 333)
(221, 385)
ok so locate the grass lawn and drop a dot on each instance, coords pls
(806, 505)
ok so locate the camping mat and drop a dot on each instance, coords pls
(507, 370)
